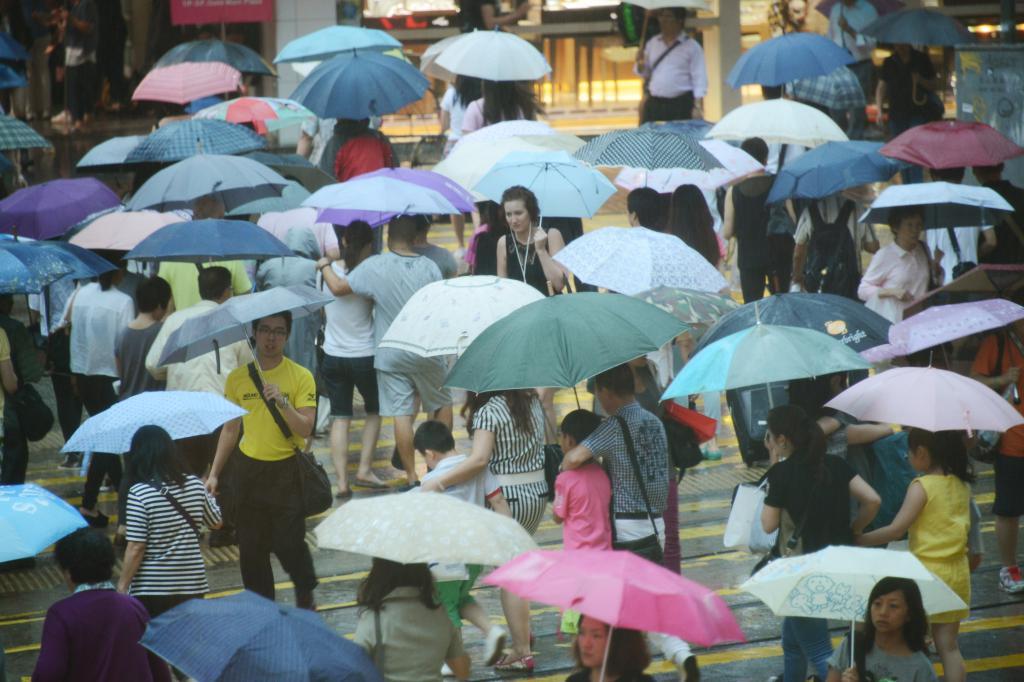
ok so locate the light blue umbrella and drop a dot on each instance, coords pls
(203, 241)
(182, 139)
(182, 414)
(565, 188)
(84, 263)
(112, 152)
(383, 194)
(919, 27)
(25, 269)
(234, 179)
(292, 197)
(831, 168)
(360, 85)
(32, 519)
(787, 58)
(333, 40)
(763, 354)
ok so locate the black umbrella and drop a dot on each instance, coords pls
(232, 54)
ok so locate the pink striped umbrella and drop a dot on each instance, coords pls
(188, 81)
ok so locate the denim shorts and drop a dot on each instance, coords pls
(341, 375)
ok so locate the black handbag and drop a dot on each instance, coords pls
(553, 456)
(683, 449)
(34, 417)
(648, 547)
(314, 485)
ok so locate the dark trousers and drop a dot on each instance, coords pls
(667, 108)
(269, 519)
(753, 282)
(160, 603)
(15, 449)
(81, 89)
(69, 405)
(97, 393)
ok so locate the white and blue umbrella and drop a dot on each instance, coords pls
(182, 414)
(565, 188)
(333, 40)
(944, 204)
(26, 269)
(383, 194)
(32, 519)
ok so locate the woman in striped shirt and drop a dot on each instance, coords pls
(163, 566)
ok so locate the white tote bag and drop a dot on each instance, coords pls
(744, 525)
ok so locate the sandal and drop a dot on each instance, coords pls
(510, 664)
(372, 484)
(343, 495)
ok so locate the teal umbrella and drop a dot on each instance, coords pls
(763, 354)
(561, 341)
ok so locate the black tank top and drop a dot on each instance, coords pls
(523, 266)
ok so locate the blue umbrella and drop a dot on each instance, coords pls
(84, 263)
(565, 188)
(234, 179)
(238, 56)
(788, 58)
(10, 79)
(333, 40)
(11, 50)
(247, 638)
(919, 27)
(831, 168)
(182, 139)
(360, 85)
(112, 152)
(32, 519)
(201, 241)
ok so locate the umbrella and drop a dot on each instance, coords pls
(110, 154)
(360, 85)
(294, 167)
(843, 319)
(467, 165)
(503, 131)
(944, 204)
(991, 280)
(565, 188)
(952, 144)
(84, 264)
(32, 519)
(291, 198)
(444, 317)
(226, 323)
(328, 42)
(633, 259)
(121, 230)
(561, 341)
(203, 241)
(493, 56)
(233, 179)
(449, 190)
(16, 134)
(381, 194)
(839, 89)
(831, 168)
(688, 306)
(187, 81)
(398, 528)
(47, 210)
(647, 148)
(918, 27)
(182, 414)
(26, 270)
(428, 60)
(780, 121)
(264, 113)
(762, 354)
(180, 140)
(238, 56)
(694, 127)
(11, 49)
(248, 638)
(11, 79)
(623, 590)
(881, 6)
(736, 164)
(786, 58)
(928, 398)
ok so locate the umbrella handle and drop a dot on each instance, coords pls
(852, 625)
(607, 648)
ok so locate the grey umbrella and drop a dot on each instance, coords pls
(236, 180)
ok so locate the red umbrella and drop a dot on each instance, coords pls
(952, 144)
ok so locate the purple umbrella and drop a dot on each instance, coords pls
(883, 7)
(47, 210)
(449, 189)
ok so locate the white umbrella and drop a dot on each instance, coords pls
(778, 121)
(408, 528)
(382, 194)
(634, 259)
(945, 204)
(443, 318)
(736, 164)
(504, 130)
(493, 56)
(428, 60)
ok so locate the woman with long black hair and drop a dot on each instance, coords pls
(501, 101)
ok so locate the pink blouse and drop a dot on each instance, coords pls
(894, 267)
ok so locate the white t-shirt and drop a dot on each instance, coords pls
(97, 319)
(349, 329)
(455, 108)
(967, 238)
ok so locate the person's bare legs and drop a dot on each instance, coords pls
(476, 615)
(1006, 539)
(339, 450)
(459, 225)
(517, 613)
(945, 637)
(547, 399)
(403, 441)
(371, 430)
(443, 415)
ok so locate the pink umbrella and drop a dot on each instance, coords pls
(623, 590)
(928, 398)
(122, 230)
(952, 144)
(188, 81)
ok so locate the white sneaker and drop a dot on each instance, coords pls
(1011, 583)
(495, 645)
(446, 671)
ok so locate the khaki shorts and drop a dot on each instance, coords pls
(398, 390)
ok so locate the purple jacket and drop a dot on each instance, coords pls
(94, 635)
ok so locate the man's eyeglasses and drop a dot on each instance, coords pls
(272, 331)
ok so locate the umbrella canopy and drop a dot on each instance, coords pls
(780, 121)
(32, 519)
(786, 58)
(945, 204)
(264, 113)
(121, 230)
(565, 188)
(467, 165)
(952, 144)
(47, 210)
(182, 414)
(201, 241)
(328, 42)
(736, 164)
(11, 49)
(181, 83)
(503, 131)
(360, 85)
(238, 56)
(428, 60)
(845, 320)
(989, 279)
(688, 306)
(561, 341)
(396, 527)
(928, 398)
(647, 148)
(180, 140)
(762, 354)
(444, 317)
(831, 168)
(493, 56)
(839, 89)
(11, 79)
(449, 190)
(836, 582)
(294, 167)
(84, 264)
(881, 6)
(109, 154)
(16, 134)
(248, 638)
(233, 179)
(918, 27)
(291, 198)
(381, 194)
(26, 270)
(623, 590)
(633, 259)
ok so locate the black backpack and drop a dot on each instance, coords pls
(831, 266)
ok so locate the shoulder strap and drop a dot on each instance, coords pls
(845, 212)
(955, 243)
(271, 407)
(659, 60)
(636, 469)
(178, 508)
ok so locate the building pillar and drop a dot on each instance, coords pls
(292, 19)
(721, 50)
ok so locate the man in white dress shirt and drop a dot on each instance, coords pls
(845, 23)
(672, 66)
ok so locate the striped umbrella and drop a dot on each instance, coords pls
(647, 148)
(15, 134)
(181, 139)
(182, 83)
(264, 113)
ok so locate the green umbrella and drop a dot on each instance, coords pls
(561, 341)
(689, 306)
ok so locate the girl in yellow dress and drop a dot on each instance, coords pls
(936, 511)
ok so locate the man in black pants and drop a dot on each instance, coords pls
(26, 365)
(674, 73)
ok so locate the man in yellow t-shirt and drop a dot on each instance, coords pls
(269, 515)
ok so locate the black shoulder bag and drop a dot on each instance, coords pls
(647, 547)
(962, 266)
(178, 508)
(314, 485)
